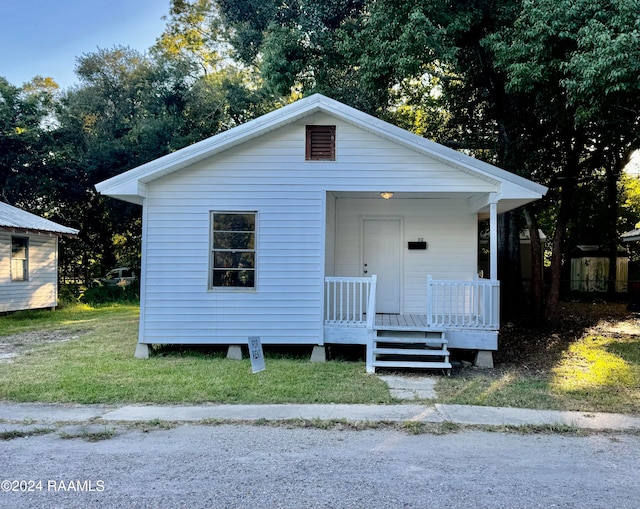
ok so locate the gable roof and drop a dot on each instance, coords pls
(596, 251)
(130, 185)
(15, 220)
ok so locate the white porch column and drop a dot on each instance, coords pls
(493, 239)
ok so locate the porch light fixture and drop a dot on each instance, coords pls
(386, 194)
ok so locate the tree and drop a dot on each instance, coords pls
(521, 83)
(578, 62)
(303, 47)
(194, 35)
(27, 169)
(129, 109)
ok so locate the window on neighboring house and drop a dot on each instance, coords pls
(321, 143)
(233, 250)
(19, 259)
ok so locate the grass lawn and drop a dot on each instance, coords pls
(588, 361)
(97, 366)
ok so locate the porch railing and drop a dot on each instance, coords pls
(469, 304)
(350, 301)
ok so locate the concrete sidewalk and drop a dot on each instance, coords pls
(32, 413)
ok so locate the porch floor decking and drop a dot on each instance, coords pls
(402, 322)
(417, 322)
(470, 337)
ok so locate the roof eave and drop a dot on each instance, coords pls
(71, 233)
(206, 148)
(125, 183)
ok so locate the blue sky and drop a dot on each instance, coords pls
(44, 37)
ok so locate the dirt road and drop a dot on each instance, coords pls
(273, 467)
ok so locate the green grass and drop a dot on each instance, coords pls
(73, 317)
(594, 373)
(99, 367)
(10, 435)
(604, 370)
(587, 372)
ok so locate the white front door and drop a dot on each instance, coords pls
(382, 256)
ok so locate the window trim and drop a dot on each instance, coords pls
(25, 260)
(309, 149)
(233, 289)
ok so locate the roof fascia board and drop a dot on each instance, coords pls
(201, 150)
(445, 154)
(302, 108)
(631, 236)
(43, 233)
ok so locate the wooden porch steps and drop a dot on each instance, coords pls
(395, 347)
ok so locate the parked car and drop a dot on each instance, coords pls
(122, 276)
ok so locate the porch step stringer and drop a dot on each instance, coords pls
(401, 348)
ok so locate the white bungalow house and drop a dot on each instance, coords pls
(28, 259)
(318, 224)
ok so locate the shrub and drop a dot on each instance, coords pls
(103, 294)
(69, 292)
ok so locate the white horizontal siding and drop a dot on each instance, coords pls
(41, 289)
(447, 226)
(275, 162)
(269, 175)
(286, 305)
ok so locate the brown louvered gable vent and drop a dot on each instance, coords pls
(321, 143)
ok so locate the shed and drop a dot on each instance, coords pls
(526, 253)
(631, 236)
(28, 259)
(590, 269)
(317, 224)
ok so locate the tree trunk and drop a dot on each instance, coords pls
(568, 180)
(537, 270)
(509, 272)
(613, 176)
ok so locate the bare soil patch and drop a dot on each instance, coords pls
(537, 348)
(19, 344)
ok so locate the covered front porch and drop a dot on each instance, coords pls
(408, 266)
(350, 310)
(458, 314)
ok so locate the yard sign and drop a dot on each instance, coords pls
(257, 357)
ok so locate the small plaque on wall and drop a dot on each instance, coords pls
(421, 244)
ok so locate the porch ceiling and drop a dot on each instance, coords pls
(478, 202)
(402, 195)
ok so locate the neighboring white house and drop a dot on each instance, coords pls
(28, 259)
(316, 224)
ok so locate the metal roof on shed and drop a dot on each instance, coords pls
(631, 236)
(17, 220)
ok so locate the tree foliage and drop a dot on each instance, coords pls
(128, 108)
(547, 89)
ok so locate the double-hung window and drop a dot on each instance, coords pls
(233, 250)
(19, 259)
